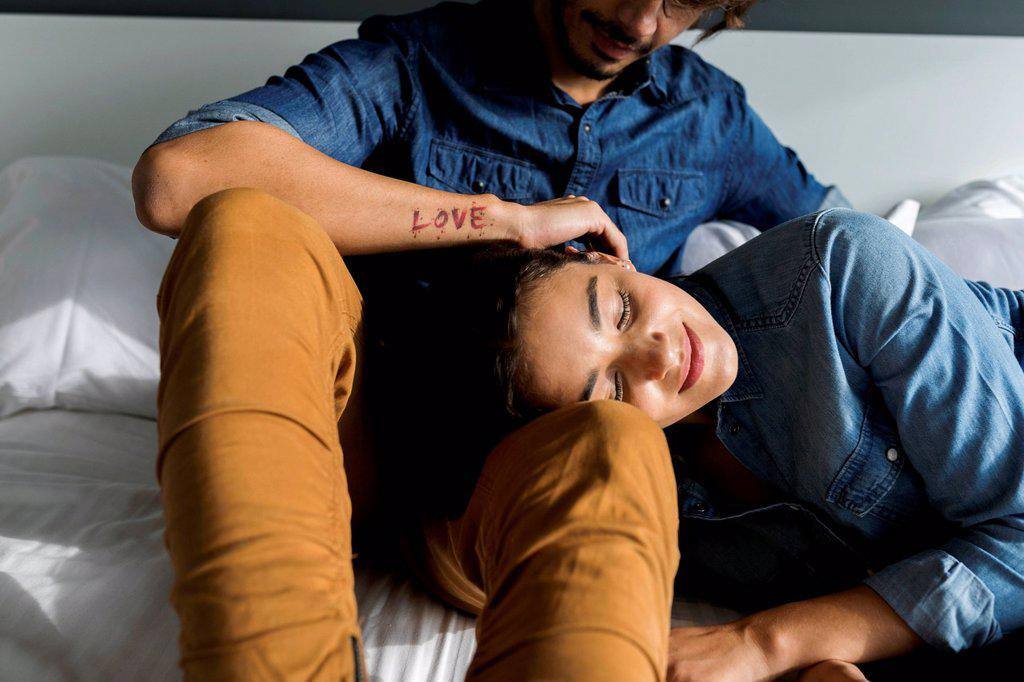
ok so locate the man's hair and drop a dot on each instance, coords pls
(722, 15)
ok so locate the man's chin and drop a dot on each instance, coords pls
(595, 68)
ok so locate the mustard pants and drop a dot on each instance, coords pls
(568, 547)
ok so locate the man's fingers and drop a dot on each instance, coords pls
(617, 242)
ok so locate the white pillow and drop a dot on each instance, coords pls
(78, 282)
(978, 230)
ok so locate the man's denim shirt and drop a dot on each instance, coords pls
(883, 395)
(458, 97)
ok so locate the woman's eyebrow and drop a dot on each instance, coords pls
(595, 311)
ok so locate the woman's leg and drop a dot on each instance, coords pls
(258, 343)
(568, 550)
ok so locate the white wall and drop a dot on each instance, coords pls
(887, 117)
(884, 116)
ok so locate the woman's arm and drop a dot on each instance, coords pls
(855, 625)
(362, 212)
(949, 378)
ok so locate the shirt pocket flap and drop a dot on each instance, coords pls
(660, 192)
(470, 170)
(871, 470)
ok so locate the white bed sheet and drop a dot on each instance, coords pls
(84, 576)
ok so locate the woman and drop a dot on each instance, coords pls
(876, 398)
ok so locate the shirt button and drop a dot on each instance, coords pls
(586, 127)
(665, 203)
(478, 186)
(699, 508)
(892, 454)
(734, 429)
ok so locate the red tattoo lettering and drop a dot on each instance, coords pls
(458, 218)
(416, 224)
(476, 217)
(441, 219)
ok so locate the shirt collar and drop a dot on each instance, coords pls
(706, 291)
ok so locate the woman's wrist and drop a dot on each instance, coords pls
(768, 635)
(855, 625)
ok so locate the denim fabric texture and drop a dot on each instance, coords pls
(884, 395)
(458, 97)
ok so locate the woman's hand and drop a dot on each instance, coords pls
(724, 653)
(560, 220)
(832, 671)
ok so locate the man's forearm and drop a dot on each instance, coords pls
(362, 212)
(855, 625)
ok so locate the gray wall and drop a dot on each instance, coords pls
(966, 17)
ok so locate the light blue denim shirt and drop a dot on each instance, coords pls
(884, 395)
(442, 99)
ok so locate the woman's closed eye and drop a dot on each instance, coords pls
(625, 319)
(627, 310)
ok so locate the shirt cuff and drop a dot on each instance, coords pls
(224, 111)
(940, 598)
(834, 199)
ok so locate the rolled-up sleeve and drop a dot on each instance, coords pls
(956, 390)
(942, 599)
(224, 111)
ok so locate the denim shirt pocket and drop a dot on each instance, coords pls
(871, 470)
(660, 194)
(465, 169)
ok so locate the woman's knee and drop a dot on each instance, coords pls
(600, 443)
(249, 213)
(242, 230)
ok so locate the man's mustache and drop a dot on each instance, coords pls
(615, 32)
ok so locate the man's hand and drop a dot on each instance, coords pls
(560, 220)
(724, 653)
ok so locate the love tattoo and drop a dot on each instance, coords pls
(475, 217)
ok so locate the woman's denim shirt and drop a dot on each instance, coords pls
(885, 395)
(459, 98)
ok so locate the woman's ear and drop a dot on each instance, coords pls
(599, 257)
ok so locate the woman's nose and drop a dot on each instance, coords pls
(653, 357)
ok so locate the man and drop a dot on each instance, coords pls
(516, 101)
(452, 124)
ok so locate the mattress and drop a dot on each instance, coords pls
(84, 577)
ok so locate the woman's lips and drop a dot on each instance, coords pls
(611, 48)
(695, 359)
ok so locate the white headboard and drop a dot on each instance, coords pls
(884, 116)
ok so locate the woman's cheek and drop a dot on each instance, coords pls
(650, 404)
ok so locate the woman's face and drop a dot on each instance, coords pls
(599, 331)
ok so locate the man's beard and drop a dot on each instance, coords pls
(586, 66)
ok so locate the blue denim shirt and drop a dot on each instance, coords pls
(458, 97)
(884, 396)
